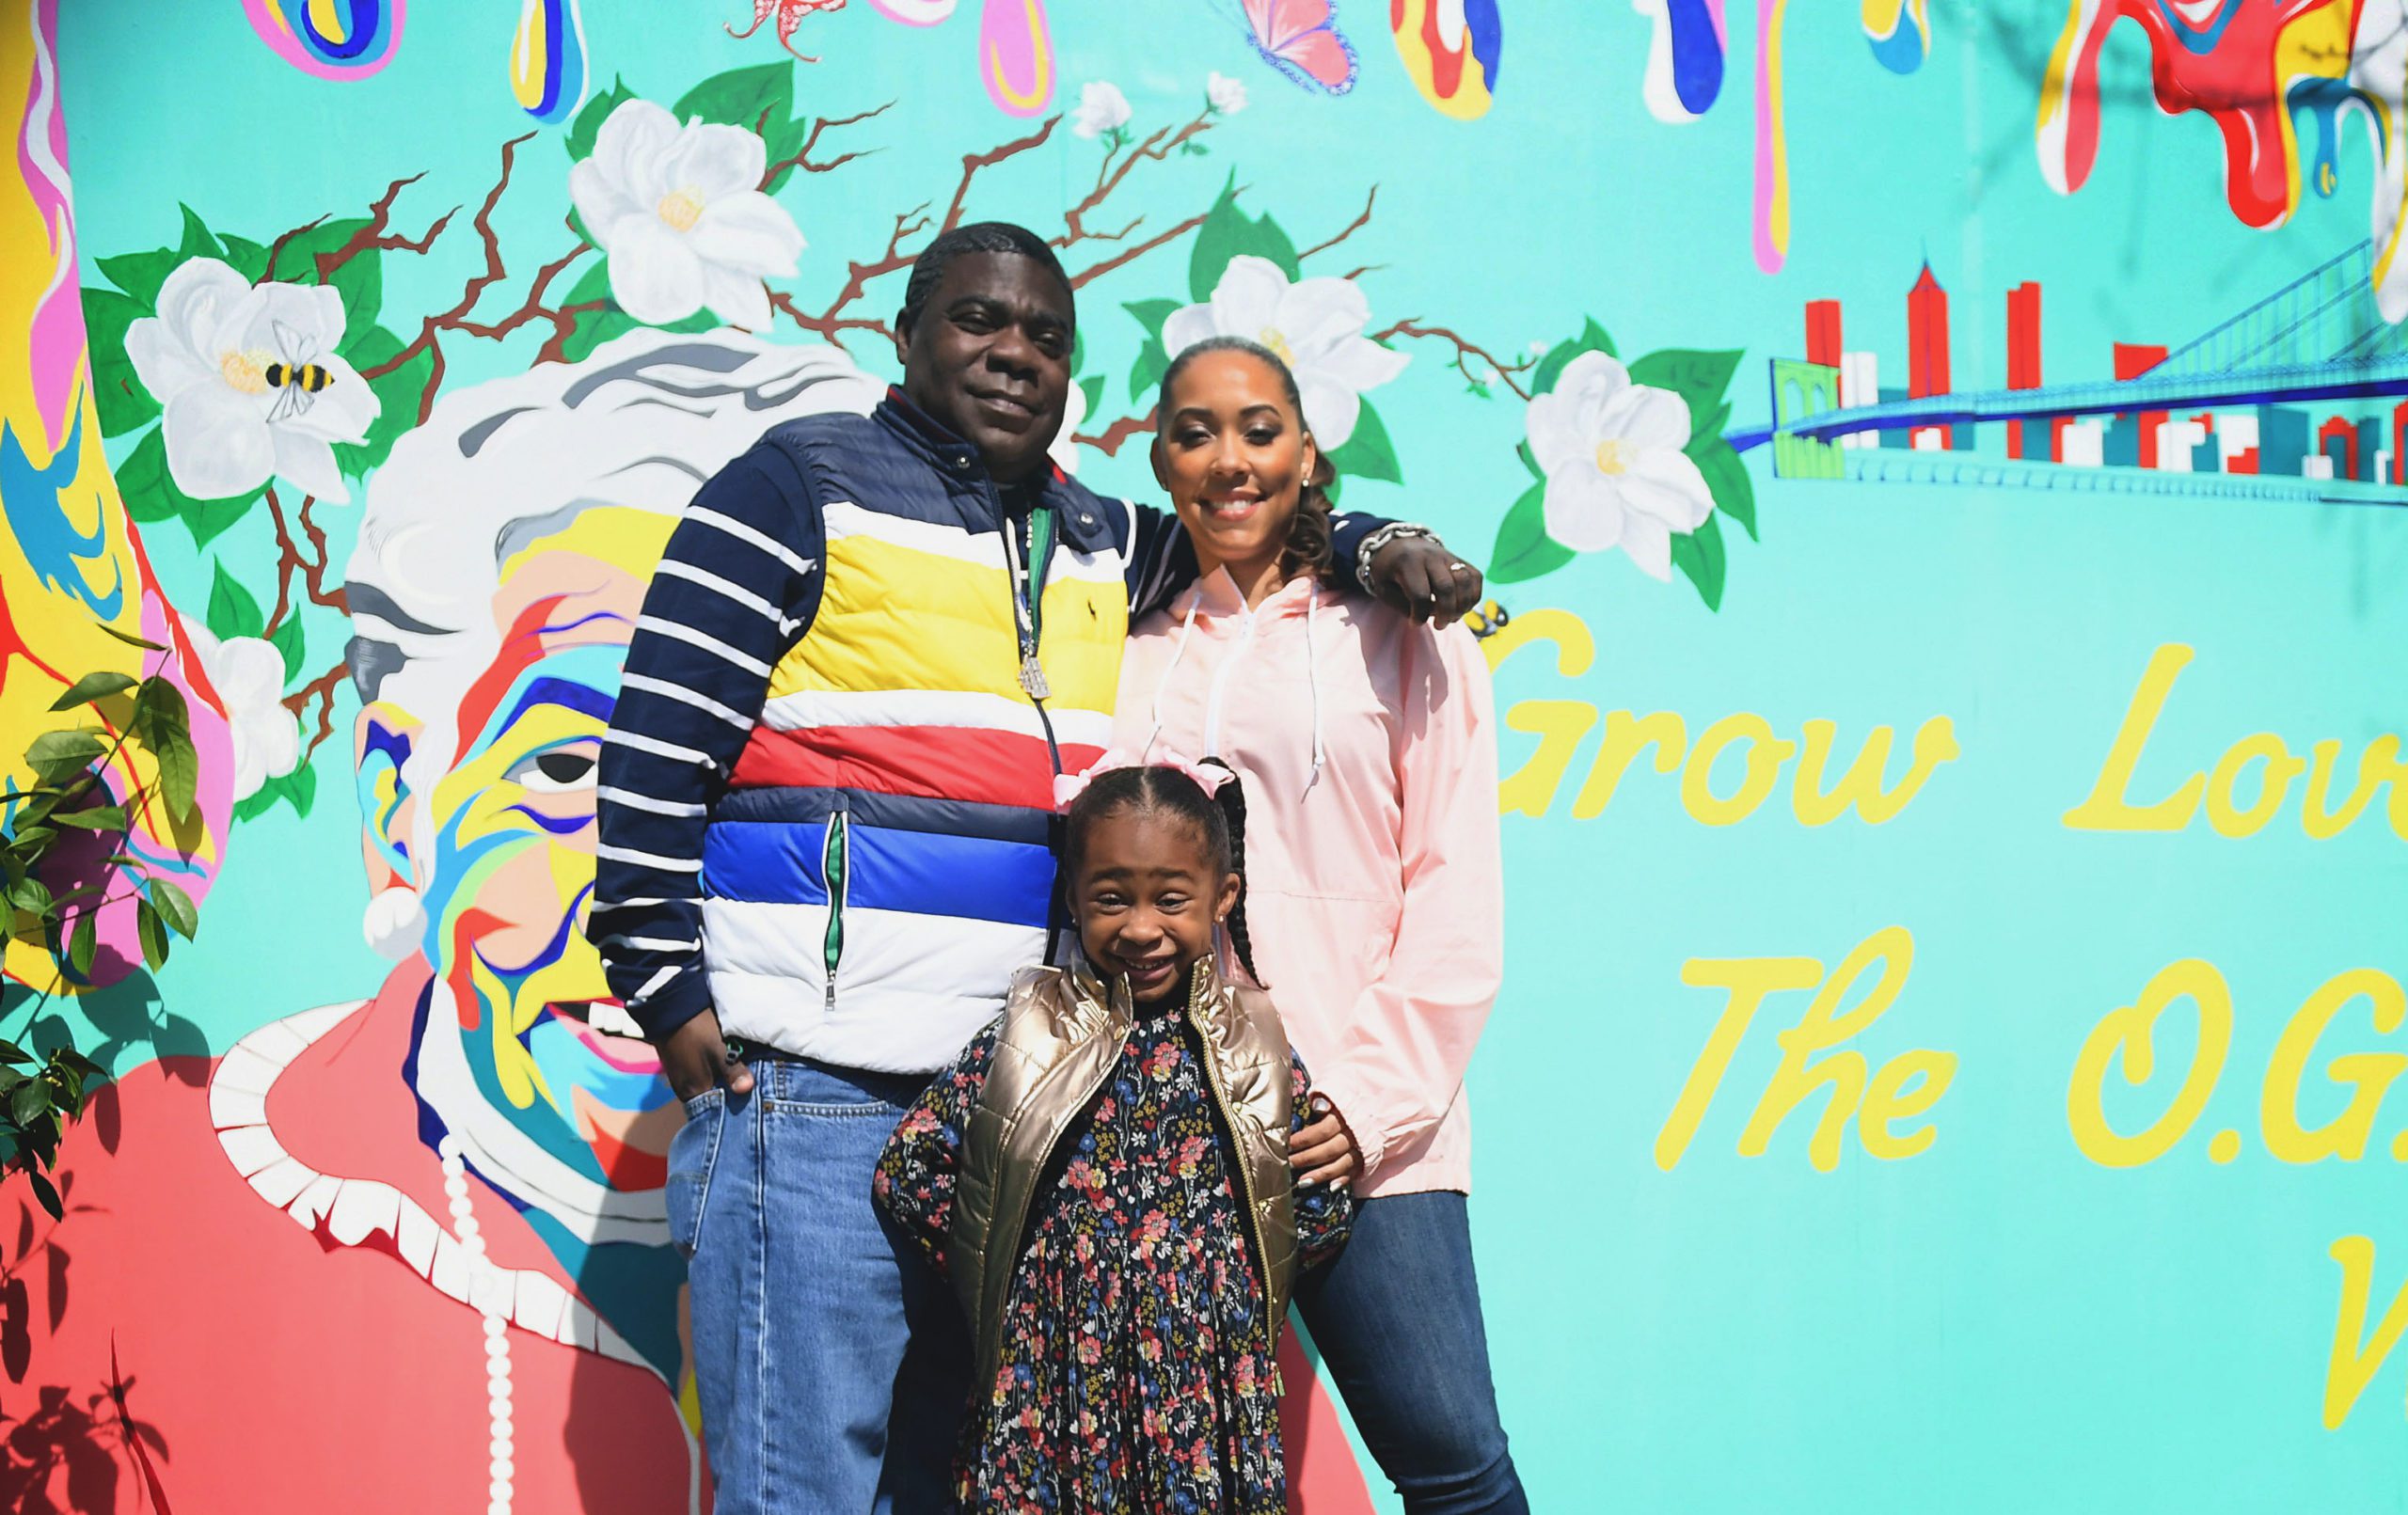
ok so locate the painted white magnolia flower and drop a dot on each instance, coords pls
(1101, 108)
(1314, 324)
(1227, 95)
(1616, 476)
(679, 213)
(1065, 452)
(249, 384)
(248, 672)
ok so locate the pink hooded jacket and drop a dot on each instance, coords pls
(1375, 894)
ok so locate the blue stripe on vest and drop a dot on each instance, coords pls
(969, 877)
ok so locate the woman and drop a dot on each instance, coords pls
(1371, 856)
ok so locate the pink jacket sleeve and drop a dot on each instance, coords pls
(1409, 1038)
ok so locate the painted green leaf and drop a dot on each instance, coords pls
(580, 141)
(594, 327)
(1150, 314)
(209, 519)
(1726, 476)
(296, 262)
(758, 99)
(197, 241)
(174, 906)
(398, 394)
(1522, 450)
(142, 481)
(1092, 388)
(139, 275)
(1700, 556)
(360, 281)
(93, 687)
(1147, 372)
(1700, 378)
(1592, 338)
(1368, 454)
(1524, 550)
(115, 388)
(246, 257)
(232, 611)
(1228, 232)
(287, 638)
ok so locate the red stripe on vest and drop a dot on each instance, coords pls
(985, 768)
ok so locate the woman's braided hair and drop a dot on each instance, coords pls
(1220, 818)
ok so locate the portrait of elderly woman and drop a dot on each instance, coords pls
(447, 1197)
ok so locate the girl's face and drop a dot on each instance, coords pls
(1146, 897)
(1233, 456)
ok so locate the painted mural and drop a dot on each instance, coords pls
(1940, 511)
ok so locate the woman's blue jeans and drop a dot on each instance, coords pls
(1396, 1320)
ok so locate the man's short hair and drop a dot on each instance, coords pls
(927, 270)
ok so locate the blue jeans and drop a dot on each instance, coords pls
(1396, 1318)
(832, 1361)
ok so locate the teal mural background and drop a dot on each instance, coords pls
(1998, 1323)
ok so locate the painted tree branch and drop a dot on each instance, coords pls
(322, 690)
(1087, 276)
(314, 576)
(1109, 175)
(377, 234)
(802, 159)
(455, 317)
(972, 162)
(1352, 227)
(1113, 436)
(1466, 349)
(563, 322)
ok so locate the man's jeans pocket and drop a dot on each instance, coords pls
(692, 1153)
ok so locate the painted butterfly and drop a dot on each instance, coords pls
(1300, 38)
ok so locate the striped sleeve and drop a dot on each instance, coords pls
(1162, 561)
(733, 593)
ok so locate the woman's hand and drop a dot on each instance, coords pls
(1323, 1150)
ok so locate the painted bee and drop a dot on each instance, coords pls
(1486, 621)
(294, 377)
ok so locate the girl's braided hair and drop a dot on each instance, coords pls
(1220, 818)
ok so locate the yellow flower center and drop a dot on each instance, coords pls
(1273, 338)
(1613, 456)
(247, 372)
(681, 208)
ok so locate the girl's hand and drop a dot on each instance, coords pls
(1323, 1150)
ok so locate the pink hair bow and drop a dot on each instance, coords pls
(1069, 786)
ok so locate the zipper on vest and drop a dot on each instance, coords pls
(1228, 1123)
(833, 862)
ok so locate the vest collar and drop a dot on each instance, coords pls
(1078, 514)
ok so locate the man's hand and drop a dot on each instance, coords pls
(695, 1060)
(1323, 1150)
(1420, 578)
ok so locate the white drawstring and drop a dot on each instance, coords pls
(1178, 650)
(1312, 677)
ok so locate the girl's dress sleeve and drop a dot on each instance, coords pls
(915, 1176)
(1324, 1212)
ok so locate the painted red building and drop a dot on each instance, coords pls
(1927, 345)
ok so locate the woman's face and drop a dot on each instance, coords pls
(1234, 455)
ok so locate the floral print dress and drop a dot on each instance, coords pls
(1137, 1369)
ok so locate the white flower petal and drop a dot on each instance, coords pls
(1228, 95)
(276, 738)
(628, 148)
(1316, 314)
(1592, 375)
(749, 233)
(1359, 363)
(249, 674)
(230, 331)
(166, 367)
(217, 442)
(1583, 509)
(736, 297)
(1552, 423)
(1668, 485)
(310, 461)
(1649, 545)
(250, 771)
(1646, 417)
(1246, 301)
(653, 275)
(601, 204)
(713, 159)
(193, 296)
(1331, 410)
(291, 322)
(1186, 326)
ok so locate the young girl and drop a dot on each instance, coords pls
(1103, 1176)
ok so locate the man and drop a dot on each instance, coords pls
(824, 806)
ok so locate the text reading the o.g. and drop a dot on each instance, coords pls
(1903, 1088)
(1743, 744)
(2126, 1038)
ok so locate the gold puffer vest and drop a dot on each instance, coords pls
(1062, 1036)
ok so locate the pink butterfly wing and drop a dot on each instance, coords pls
(1302, 34)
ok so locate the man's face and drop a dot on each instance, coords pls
(991, 358)
(512, 872)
